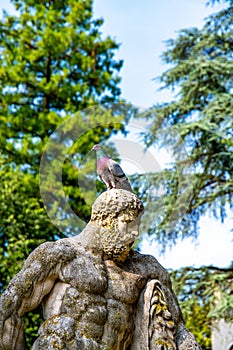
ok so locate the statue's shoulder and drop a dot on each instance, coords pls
(147, 265)
(143, 259)
(52, 253)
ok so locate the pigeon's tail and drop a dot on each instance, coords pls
(123, 183)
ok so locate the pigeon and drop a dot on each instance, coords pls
(110, 171)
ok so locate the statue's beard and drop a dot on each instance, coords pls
(115, 244)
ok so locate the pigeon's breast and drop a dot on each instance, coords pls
(102, 164)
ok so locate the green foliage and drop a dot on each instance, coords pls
(53, 63)
(32, 322)
(205, 294)
(24, 223)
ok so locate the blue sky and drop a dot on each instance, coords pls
(142, 27)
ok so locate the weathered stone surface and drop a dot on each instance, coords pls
(96, 293)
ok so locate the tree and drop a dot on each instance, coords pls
(53, 63)
(205, 295)
(24, 225)
(197, 126)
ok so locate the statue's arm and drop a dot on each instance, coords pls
(154, 325)
(156, 328)
(159, 321)
(26, 291)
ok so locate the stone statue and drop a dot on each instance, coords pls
(96, 293)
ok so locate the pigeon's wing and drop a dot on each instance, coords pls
(115, 168)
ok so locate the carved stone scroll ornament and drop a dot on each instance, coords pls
(155, 328)
(96, 293)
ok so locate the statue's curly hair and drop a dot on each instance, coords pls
(111, 203)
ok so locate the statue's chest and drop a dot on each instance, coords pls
(87, 273)
(123, 285)
(90, 274)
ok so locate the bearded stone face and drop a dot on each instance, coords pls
(116, 240)
(117, 213)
